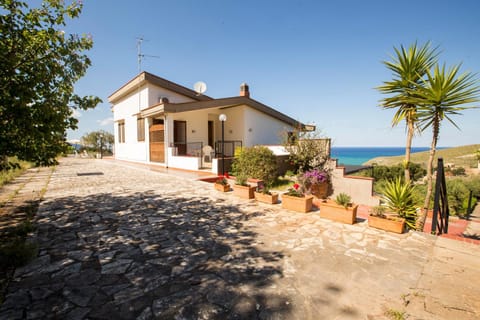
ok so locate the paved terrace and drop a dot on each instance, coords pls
(122, 242)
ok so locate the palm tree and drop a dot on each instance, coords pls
(442, 96)
(408, 68)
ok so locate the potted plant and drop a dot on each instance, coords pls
(340, 210)
(316, 182)
(295, 199)
(263, 194)
(399, 198)
(242, 189)
(221, 184)
(380, 219)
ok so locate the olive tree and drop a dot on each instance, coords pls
(98, 141)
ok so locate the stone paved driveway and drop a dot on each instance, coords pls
(118, 242)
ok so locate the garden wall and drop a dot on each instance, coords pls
(359, 188)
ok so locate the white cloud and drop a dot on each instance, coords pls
(105, 122)
(76, 113)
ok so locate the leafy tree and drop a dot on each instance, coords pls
(442, 96)
(307, 149)
(408, 67)
(39, 65)
(98, 141)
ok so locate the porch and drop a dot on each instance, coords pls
(198, 156)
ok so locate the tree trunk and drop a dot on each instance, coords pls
(426, 205)
(408, 149)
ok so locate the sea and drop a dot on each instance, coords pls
(358, 155)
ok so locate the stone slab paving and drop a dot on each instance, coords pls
(119, 242)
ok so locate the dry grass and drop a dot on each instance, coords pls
(8, 175)
(463, 156)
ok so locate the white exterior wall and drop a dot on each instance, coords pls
(186, 163)
(197, 125)
(234, 126)
(155, 93)
(126, 109)
(262, 129)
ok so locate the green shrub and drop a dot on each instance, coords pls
(458, 191)
(387, 173)
(459, 171)
(473, 184)
(255, 162)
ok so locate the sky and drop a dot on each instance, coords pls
(317, 61)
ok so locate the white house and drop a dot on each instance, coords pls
(158, 121)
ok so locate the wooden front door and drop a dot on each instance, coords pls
(180, 136)
(210, 134)
(157, 143)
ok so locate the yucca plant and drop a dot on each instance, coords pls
(343, 199)
(399, 198)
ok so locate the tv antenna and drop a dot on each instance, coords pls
(140, 54)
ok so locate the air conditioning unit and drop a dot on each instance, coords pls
(162, 100)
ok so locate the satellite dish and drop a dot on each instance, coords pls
(200, 87)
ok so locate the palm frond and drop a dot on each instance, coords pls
(408, 67)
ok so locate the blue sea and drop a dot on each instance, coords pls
(360, 155)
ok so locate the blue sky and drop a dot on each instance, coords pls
(317, 61)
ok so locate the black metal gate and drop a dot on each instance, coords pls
(441, 211)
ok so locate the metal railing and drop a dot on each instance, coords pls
(230, 146)
(189, 149)
(441, 212)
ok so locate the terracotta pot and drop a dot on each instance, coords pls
(332, 211)
(244, 192)
(266, 198)
(300, 204)
(319, 190)
(222, 187)
(393, 224)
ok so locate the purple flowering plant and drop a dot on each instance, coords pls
(314, 176)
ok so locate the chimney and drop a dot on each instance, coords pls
(244, 92)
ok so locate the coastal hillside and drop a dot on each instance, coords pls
(463, 156)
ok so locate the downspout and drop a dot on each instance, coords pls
(146, 132)
(165, 136)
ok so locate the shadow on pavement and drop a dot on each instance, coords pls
(146, 255)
